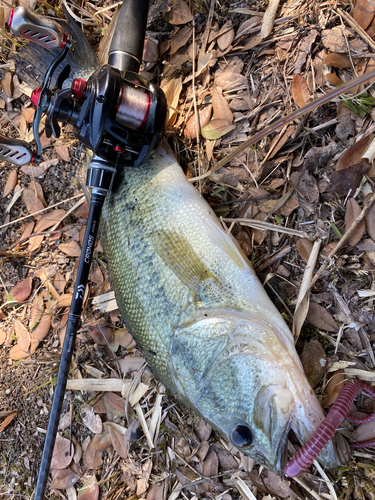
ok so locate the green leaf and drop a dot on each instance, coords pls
(216, 129)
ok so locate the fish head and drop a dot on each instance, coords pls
(246, 382)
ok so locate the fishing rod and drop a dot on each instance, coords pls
(116, 114)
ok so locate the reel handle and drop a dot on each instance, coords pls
(15, 151)
(46, 33)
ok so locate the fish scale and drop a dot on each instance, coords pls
(198, 312)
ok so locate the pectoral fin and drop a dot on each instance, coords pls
(181, 258)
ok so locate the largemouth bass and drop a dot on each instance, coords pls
(200, 315)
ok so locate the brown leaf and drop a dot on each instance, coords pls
(92, 458)
(342, 181)
(102, 441)
(351, 213)
(63, 479)
(42, 329)
(130, 364)
(289, 206)
(115, 404)
(179, 14)
(117, 435)
(7, 420)
(92, 421)
(64, 300)
(38, 190)
(220, 105)
(28, 113)
(63, 152)
(70, 248)
(210, 468)
(82, 211)
(204, 114)
(333, 388)
(77, 450)
(353, 155)
(33, 170)
(21, 291)
(61, 457)
(59, 282)
(300, 91)
(319, 316)
(228, 80)
(3, 336)
(150, 51)
(90, 490)
(37, 311)
(103, 335)
(223, 41)
(338, 60)
(304, 248)
(333, 79)
(370, 217)
(7, 84)
(363, 13)
(180, 39)
(49, 220)
(365, 432)
(16, 353)
(155, 491)
(10, 183)
(216, 129)
(124, 338)
(23, 335)
(314, 362)
(33, 203)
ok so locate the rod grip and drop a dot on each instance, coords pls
(125, 52)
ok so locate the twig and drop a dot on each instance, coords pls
(353, 226)
(278, 255)
(265, 226)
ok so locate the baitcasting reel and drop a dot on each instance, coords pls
(117, 114)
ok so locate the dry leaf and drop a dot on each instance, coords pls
(20, 292)
(351, 213)
(102, 441)
(49, 220)
(289, 206)
(314, 362)
(103, 335)
(248, 25)
(155, 491)
(342, 181)
(333, 79)
(124, 338)
(365, 432)
(16, 353)
(23, 335)
(7, 420)
(319, 317)
(61, 457)
(223, 41)
(82, 211)
(33, 203)
(268, 18)
(59, 282)
(71, 248)
(353, 155)
(33, 170)
(3, 336)
(304, 248)
(300, 91)
(363, 13)
(114, 404)
(42, 329)
(216, 129)
(333, 388)
(63, 479)
(179, 14)
(10, 183)
(90, 490)
(228, 80)
(28, 113)
(150, 51)
(220, 105)
(37, 311)
(204, 114)
(338, 60)
(180, 39)
(92, 421)
(7, 84)
(92, 457)
(117, 435)
(130, 364)
(172, 90)
(37, 188)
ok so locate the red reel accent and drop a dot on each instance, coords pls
(35, 96)
(10, 19)
(79, 87)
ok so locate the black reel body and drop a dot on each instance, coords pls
(121, 118)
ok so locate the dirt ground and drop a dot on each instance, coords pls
(307, 180)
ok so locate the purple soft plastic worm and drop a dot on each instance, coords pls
(326, 430)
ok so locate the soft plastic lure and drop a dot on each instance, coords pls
(338, 412)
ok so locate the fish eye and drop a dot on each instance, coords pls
(241, 436)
